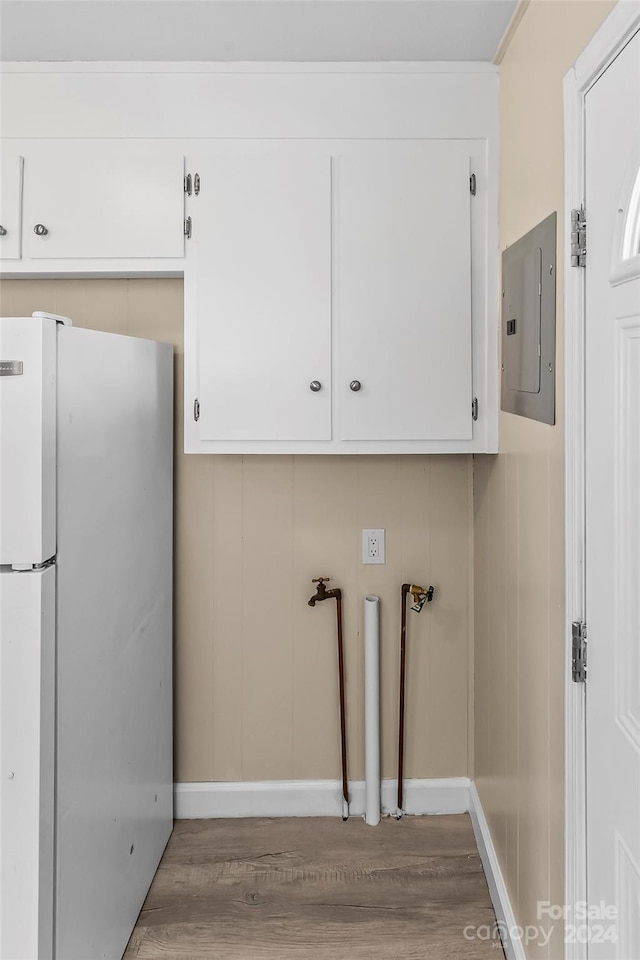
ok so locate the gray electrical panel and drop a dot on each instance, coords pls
(529, 324)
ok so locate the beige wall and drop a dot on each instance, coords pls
(256, 685)
(519, 619)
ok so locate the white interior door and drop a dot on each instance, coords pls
(104, 198)
(261, 258)
(613, 505)
(403, 297)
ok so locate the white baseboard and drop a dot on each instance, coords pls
(511, 942)
(314, 798)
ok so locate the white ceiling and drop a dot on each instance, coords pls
(225, 30)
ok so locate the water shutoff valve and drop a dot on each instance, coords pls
(421, 595)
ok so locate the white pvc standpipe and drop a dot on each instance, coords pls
(372, 709)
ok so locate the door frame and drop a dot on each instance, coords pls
(615, 32)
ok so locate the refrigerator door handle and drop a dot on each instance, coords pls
(11, 368)
(29, 567)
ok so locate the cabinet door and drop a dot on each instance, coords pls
(259, 268)
(403, 297)
(100, 199)
(10, 203)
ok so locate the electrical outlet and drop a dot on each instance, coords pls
(373, 546)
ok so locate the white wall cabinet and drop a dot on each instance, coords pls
(10, 203)
(403, 291)
(334, 237)
(259, 268)
(329, 297)
(101, 200)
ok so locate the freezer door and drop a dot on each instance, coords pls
(27, 694)
(27, 440)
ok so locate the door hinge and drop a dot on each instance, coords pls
(473, 184)
(474, 408)
(578, 651)
(187, 184)
(187, 228)
(578, 238)
(196, 409)
(196, 184)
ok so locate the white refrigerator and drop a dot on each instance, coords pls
(85, 634)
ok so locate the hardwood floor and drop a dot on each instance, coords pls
(317, 888)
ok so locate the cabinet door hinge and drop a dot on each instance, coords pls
(187, 184)
(187, 228)
(473, 184)
(196, 409)
(474, 408)
(578, 651)
(578, 237)
(196, 184)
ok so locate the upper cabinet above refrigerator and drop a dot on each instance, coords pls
(98, 199)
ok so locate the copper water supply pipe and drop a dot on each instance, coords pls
(420, 595)
(323, 594)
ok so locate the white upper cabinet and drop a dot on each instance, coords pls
(10, 203)
(403, 291)
(102, 199)
(260, 266)
(329, 293)
(340, 269)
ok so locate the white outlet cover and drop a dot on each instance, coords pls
(373, 546)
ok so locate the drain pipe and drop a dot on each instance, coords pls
(421, 595)
(323, 594)
(372, 709)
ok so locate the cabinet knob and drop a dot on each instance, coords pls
(315, 385)
(355, 385)
(40, 230)
(3, 231)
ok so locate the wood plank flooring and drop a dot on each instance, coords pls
(317, 888)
